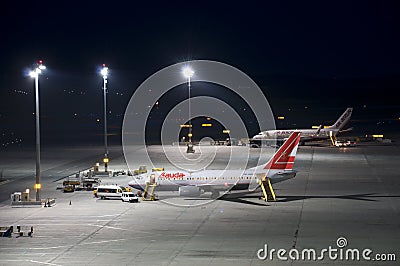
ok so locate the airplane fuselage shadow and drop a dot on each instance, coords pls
(361, 197)
(251, 199)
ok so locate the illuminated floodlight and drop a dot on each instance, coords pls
(188, 72)
(38, 70)
(33, 74)
(104, 71)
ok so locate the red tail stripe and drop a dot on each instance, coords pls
(281, 166)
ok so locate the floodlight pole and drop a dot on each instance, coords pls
(104, 72)
(35, 74)
(190, 114)
(188, 73)
(37, 184)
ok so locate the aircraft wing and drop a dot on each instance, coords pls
(346, 130)
(218, 186)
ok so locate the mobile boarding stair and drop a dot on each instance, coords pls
(267, 189)
(149, 191)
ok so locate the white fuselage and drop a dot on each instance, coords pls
(209, 180)
(305, 134)
(277, 169)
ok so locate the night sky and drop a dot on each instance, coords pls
(312, 59)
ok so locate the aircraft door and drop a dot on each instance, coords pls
(153, 179)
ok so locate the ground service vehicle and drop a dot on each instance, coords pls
(129, 197)
(109, 192)
(345, 143)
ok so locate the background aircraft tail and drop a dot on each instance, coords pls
(343, 120)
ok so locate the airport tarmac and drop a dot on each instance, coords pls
(338, 192)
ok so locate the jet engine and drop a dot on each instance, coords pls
(189, 191)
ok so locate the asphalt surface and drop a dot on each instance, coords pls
(18, 166)
(347, 192)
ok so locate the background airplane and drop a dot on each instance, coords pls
(279, 168)
(306, 134)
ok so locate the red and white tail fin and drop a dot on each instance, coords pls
(284, 157)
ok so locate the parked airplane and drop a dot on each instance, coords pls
(279, 168)
(306, 134)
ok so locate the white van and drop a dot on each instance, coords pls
(129, 197)
(109, 191)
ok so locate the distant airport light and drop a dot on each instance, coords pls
(206, 125)
(106, 160)
(326, 126)
(37, 186)
(190, 135)
(185, 125)
(281, 117)
(315, 126)
(377, 135)
(226, 131)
